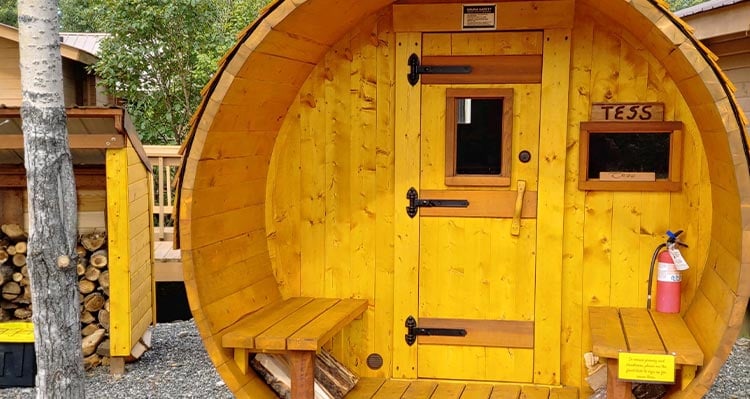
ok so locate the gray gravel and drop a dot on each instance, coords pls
(178, 367)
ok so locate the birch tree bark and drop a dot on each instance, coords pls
(52, 204)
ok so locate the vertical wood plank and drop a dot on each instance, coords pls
(338, 131)
(312, 190)
(552, 155)
(360, 282)
(406, 174)
(118, 244)
(572, 278)
(384, 199)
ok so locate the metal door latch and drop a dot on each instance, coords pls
(413, 331)
(415, 202)
(416, 69)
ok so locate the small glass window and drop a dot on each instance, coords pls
(630, 156)
(478, 132)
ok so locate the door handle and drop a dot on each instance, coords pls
(515, 226)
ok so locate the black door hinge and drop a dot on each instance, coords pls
(415, 202)
(413, 331)
(415, 69)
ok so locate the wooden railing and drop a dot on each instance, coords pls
(165, 160)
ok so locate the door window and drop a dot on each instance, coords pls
(478, 137)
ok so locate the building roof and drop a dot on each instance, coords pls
(707, 6)
(88, 42)
(74, 53)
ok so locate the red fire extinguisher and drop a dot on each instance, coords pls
(668, 276)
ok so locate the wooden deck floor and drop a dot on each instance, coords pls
(168, 262)
(378, 388)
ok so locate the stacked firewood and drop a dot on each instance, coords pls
(93, 287)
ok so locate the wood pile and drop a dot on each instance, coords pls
(332, 379)
(93, 287)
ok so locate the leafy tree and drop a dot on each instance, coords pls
(81, 15)
(675, 5)
(8, 13)
(162, 52)
(52, 204)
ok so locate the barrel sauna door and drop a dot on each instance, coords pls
(477, 229)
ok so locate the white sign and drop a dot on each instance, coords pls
(479, 17)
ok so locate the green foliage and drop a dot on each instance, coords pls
(8, 14)
(162, 52)
(675, 5)
(81, 15)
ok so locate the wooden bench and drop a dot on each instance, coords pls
(297, 327)
(632, 330)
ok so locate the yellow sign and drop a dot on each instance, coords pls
(17, 332)
(646, 367)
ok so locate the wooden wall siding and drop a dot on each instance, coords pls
(92, 208)
(610, 236)
(331, 190)
(10, 75)
(129, 228)
(235, 230)
(141, 253)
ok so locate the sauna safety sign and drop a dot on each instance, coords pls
(479, 17)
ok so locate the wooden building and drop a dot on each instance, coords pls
(500, 171)
(113, 179)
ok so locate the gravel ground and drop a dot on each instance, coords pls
(178, 367)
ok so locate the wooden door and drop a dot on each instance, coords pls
(475, 272)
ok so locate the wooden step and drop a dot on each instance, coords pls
(377, 388)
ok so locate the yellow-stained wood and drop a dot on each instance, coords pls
(477, 391)
(492, 204)
(487, 69)
(534, 392)
(385, 194)
(406, 175)
(563, 393)
(505, 392)
(640, 332)
(448, 391)
(607, 336)
(276, 336)
(677, 339)
(420, 390)
(605, 240)
(497, 333)
(242, 334)
(573, 314)
(365, 388)
(318, 331)
(391, 389)
(118, 244)
(511, 16)
(552, 155)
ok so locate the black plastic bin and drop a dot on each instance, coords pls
(17, 357)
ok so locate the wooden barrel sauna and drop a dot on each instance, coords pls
(318, 122)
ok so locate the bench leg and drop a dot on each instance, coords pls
(302, 364)
(242, 359)
(616, 388)
(688, 374)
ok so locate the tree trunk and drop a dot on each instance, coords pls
(52, 204)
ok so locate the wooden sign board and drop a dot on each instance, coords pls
(479, 17)
(627, 176)
(645, 367)
(627, 112)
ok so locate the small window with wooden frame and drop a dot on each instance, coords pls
(630, 156)
(478, 130)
